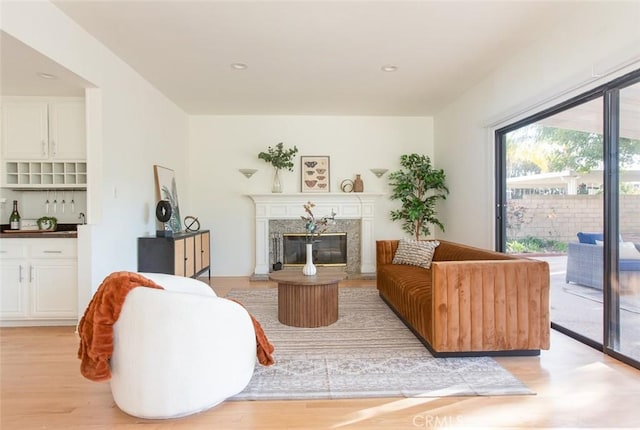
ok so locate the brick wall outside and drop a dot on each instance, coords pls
(562, 217)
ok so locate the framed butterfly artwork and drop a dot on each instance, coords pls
(315, 173)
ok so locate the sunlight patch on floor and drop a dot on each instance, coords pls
(395, 406)
(580, 394)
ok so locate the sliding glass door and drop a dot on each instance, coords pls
(554, 201)
(568, 192)
(624, 303)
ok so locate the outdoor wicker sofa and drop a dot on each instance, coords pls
(585, 266)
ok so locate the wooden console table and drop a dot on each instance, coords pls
(307, 301)
(183, 254)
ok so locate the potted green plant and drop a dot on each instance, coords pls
(418, 186)
(280, 158)
(48, 223)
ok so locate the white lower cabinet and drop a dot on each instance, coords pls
(39, 282)
(13, 292)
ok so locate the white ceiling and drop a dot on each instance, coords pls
(19, 68)
(308, 57)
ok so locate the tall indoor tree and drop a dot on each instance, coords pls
(418, 186)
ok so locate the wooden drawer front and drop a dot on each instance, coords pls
(205, 250)
(198, 253)
(189, 256)
(179, 257)
(54, 248)
(10, 250)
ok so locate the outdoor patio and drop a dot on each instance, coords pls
(580, 309)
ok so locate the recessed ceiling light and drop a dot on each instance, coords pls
(44, 75)
(389, 68)
(239, 66)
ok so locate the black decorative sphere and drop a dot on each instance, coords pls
(191, 223)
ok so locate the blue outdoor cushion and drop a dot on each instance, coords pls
(590, 238)
(629, 265)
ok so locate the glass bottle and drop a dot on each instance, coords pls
(14, 219)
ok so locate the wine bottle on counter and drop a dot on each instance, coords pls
(14, 219)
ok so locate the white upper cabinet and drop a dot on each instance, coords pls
(25, 130)
(43, 129)
(67, 132)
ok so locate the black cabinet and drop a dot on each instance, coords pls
(184, 254)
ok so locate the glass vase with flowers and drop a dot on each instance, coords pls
(313, 228)
(280, 158)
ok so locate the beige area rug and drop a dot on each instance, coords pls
(368, 352)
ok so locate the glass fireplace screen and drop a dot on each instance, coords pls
(330, 249)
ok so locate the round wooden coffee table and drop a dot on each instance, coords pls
(307, 301)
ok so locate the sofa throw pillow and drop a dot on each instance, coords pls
(628, 251)
(589, 238)
(415, 252)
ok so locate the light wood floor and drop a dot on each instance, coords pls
(576, 387)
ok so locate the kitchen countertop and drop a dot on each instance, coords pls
(63, 231)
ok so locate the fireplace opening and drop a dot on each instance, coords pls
(330, 249)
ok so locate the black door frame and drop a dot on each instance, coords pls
(610, 94)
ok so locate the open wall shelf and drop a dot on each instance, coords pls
(45, 174)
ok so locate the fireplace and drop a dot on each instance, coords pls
(330, 249)
(350, 228)
(277, 214)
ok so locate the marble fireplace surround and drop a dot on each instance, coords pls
(353, 206)
(349, 226)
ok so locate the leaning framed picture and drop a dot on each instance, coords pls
(315, 173)
(166, 189)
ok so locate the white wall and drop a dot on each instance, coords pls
(220, 145)
(131, 127)
(602, 39)
(140, 127)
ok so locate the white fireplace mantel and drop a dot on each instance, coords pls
(290, 206)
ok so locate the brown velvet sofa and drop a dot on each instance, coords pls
(471, 301)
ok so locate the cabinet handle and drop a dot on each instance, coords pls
(53, 147)
(20, 277)
(51, 252)
(30, 273)
(44, 147)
